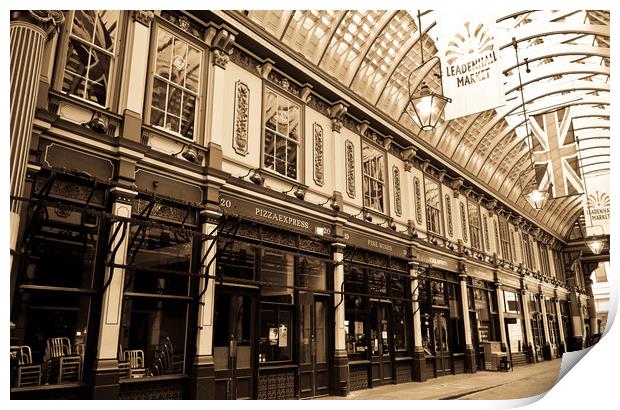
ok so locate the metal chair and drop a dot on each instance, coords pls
(136, 363)
(60, 362)
(28, 374)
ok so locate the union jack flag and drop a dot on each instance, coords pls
(555, 152)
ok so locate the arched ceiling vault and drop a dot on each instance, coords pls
(373, 52)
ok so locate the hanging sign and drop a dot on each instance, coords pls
(471, 72)
(597, 209)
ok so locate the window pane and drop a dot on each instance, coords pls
(95, 92)
(282, 116)
(275, 334)
(238, 259)
(164, 53)
(77, 59)
(270, 110)
(277, 270)
(431, 192)
(270, 141)
(159, 94)
(73, 84)
(311, 272)
(291, 157)
(157, 117)
(154, 330)
(84, 24)
(192, 69)
(187, 126)
(105, 33)
(178, 62)
(293, 122)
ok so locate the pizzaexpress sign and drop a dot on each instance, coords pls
(271, 216)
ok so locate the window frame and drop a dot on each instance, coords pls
(504, 239)
(475, 234)
(160, 23)
(384, 183)
(113, 90)
(300, 143)
(438, 210)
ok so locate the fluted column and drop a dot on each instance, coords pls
(525, 302)
(105, 375)
(543, 309)
(558, 317)
(337, 112)
(29, 31)
(341, 361)
(418, 348)
(470, 353)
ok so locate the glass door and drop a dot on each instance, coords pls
(233, 335)
(442, 347)
(381, 342)
(313, 345)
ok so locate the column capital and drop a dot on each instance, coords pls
(338, 247)
(123, 195)
(144, 17)
(47, 20)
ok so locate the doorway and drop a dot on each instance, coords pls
(233, 333)
(442, 347)
(313, 345)
(380, 342)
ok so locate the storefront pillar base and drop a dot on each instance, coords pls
(547, 352)
(470, 360)
(574, 343)
(419, 366)
(340, 385)
(104, 380)
(202, 379)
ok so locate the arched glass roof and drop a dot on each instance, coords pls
(373, 52)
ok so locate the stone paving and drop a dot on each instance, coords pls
(523, 381)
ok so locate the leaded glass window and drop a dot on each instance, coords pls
(473, 212)
(282, 134)
(90, 54)
(374, 177)
(176, 84)
(433, 203)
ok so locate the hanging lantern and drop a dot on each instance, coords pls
(425, 107)
(596, 245)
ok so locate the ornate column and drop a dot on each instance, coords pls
(29, 31)
(543, 310)
(135, 81)
(104, 374)
(558, 317)
(220, 40)
(594, 330)
(202, 386)
(500, 311)
(470, 353)
(529, 337)
(419, 362)
(341, 361)
(336, 113)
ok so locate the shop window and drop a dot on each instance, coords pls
(311, 273)
(91, 54)
(377, 282)
(438, 293)
(400, 316)
(276, 332)
(175, 84)
(473, 213)
(373, 173)
(56, 294)
(236, 259)
(516, 334)
(356, 311)
(281, 148)
(511, 302)
(433, 205)
(277, 275)
(156, 302)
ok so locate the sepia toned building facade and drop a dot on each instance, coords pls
(229, 205)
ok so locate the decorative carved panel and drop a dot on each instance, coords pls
(313, 246)
(418, 200)
(463, 222)
(397, 197)
(151, 391)
(485, 226)
(241, 118)
(319, 163)
(350, 164)
(449, 212)
(358, 379)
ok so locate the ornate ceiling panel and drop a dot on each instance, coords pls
(374, 52)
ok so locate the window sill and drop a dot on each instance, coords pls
(164, 133)
(276, 366)
(83, 103)
(47, 387)
(282, 178)
(153, 379)
(358, 362)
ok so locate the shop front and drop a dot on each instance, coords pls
(515, 327)
(272, 337)
(538, 332)
(554, 327)
(484, 316)
(378, 316)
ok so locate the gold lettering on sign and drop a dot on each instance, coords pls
(283, 219)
